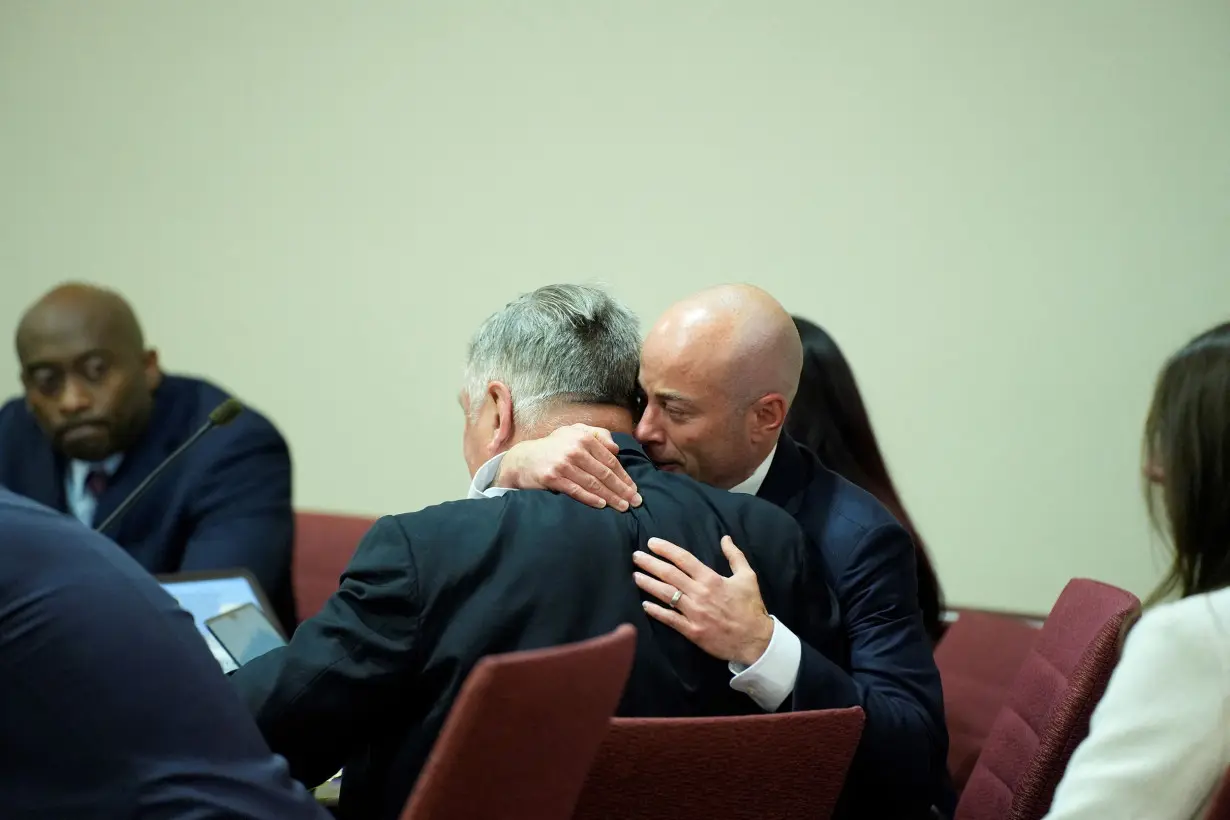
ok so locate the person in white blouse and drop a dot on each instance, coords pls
(1159, 740)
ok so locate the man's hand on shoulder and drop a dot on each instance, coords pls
(579, 461)
(725, 617)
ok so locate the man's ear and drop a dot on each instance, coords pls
(768, 415)
(153, 373)
(503, 430)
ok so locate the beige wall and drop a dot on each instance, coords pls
(1008, 213)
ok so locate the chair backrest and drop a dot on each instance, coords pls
(1219, 807)
(523, 732)
(735, 768)
(324, 544)
(978, 658)
(1047, 712)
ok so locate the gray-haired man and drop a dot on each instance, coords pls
(367, 682)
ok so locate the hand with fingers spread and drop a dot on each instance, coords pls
(725, 616)
(578, 460)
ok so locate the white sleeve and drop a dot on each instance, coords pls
(770, 680)
(481, 487)
(1156, 745)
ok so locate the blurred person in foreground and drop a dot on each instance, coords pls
(1159, 740)
(368, 682)
(111, 704)
(718, 373)
(829, 418)
(99, 415)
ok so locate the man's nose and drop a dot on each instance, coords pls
(75, 398)
(647, 429)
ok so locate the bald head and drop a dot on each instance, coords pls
(719, 370)
(89, 379)
(739, 332)
(73, 306)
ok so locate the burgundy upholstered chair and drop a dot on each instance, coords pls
(734, 768)
(324, 544)
(523, 732)
(978, 658)
(1047, 712)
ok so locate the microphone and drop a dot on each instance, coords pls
(220, 416)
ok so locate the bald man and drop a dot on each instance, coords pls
(719, 371)
(99, 415)
(368, 682)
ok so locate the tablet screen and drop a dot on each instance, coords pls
(245, 633)
(207, 597)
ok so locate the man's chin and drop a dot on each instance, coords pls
(92, 456)
(86, 448)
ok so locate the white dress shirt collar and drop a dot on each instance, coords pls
(751, 485)
(481, 486)
(81, 469)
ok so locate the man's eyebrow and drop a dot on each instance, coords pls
(36, 364)
(672, 397)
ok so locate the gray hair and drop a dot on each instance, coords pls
(562, 342)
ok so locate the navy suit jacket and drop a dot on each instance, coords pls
(224, 504)
(111, 705)
(901, 767)
(369, 680)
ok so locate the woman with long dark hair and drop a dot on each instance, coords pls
(1159, 740)
(829, 418)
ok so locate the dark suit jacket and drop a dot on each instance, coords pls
(368, 682)
(111, 704)
(224, 504)
(901, 766)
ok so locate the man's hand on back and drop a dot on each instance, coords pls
(726, 617)
(578, 460)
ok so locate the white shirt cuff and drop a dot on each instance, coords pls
(770, 680)
(481, 487)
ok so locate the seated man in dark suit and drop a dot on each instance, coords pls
(99, 415)
(111, 704)
(368, 681)
(719, 371)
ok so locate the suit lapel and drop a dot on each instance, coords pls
(43, 476)
(139, 461)
(137, 464)
(788, 477)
